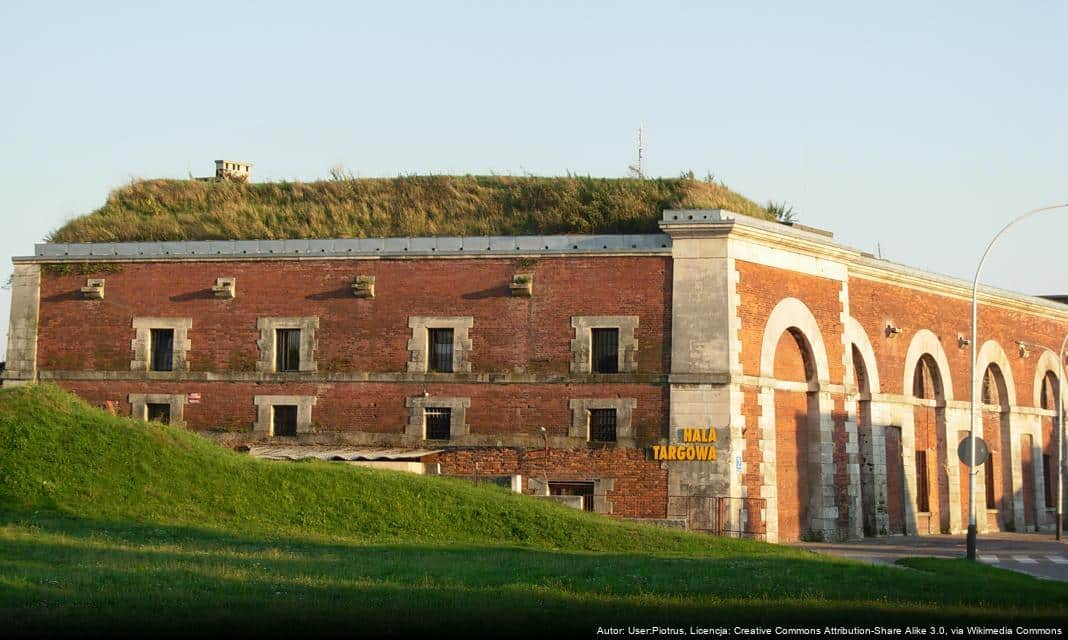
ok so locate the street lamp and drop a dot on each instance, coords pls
(975, 382)
(1060, 430)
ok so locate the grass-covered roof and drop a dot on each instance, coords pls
(156, 210)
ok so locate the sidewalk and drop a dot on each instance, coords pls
(1037, 554)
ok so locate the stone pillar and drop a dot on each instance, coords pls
(906, 418)
(823, 512)
(22, 331)
(769, 489)
(959, 419)
(703, 321)
(1044, 520)
(701, 406)
(877, 456)
(1012, 428)
(856, 516)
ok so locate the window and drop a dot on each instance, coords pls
(605, 350)
(284, 422)
(287, 344)
(991, 503)
(158, 412)
(440, 341)
(283, 415)
(439, 344)
(584, 489)
(604, 344)
(923, 504)
(436, 417)
(603, 425)
(287, 350)
(162, 358)
(1047, 474)
(438, 420)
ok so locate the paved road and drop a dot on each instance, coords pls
(1037, 554)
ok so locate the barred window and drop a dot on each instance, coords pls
(287, 350)
(440, 350)
(162, 358)
(584, 489)
(605, 350)
(438, 423)
(603, 425)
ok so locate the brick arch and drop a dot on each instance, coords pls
(998, 470)
(857, 337)
(1047, 363)
(992, 353)
(931, 505)
(808, 509)
(790, 314)
(925, 342)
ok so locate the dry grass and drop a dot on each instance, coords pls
(405, 206)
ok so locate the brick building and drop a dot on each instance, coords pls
(836, 384)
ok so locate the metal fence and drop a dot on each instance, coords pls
(721, 515)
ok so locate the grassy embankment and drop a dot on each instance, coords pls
(156, 210)
(107, 523)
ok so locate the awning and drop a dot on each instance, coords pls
(338, 453)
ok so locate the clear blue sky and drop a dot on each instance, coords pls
(919, 127)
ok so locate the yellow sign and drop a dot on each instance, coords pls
(696, 447)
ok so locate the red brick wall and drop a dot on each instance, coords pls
(872, 303)
(760, 288)
(640, 485)
(510, 334)
(380, 408)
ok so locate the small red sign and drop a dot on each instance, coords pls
(193, 398)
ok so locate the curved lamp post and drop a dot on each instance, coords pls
(975, 381)
(1059, 425)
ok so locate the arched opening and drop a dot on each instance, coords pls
(993, 480)
(1050, 458)
(932, 486)
(796, 424)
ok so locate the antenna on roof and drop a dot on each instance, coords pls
(638, 170)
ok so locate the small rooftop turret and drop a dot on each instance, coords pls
(233, 170)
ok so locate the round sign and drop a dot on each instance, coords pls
(964, 451)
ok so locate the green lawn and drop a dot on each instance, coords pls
(93, 538)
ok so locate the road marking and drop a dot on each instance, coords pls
(1058, 559)
(1024, 560)
(990, 559)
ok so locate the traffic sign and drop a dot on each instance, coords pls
(964, 451)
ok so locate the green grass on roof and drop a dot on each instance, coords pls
(156, 210)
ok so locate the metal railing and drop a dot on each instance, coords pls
(729, 516)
